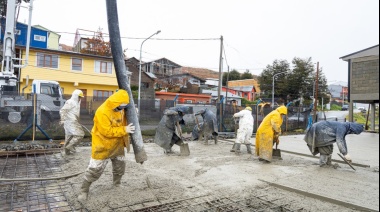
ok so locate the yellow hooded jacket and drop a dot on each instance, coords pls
(265, 134)
(109, 128)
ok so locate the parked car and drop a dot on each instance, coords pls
(344, 107)
(362, 109)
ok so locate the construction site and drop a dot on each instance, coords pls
(39, 173)
(210, 179)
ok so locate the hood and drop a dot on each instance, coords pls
(355, 128)
(75, 95)
(282, 110)
(118, 98)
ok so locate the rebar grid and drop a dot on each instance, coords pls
(211, 203)
(42, 195)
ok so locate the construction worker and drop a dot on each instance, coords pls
(69, 114)
(245, 130)
(108, 141)
(321, 136)
(268, 132)
(208, 128)
(168, 132)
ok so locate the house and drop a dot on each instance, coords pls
(247, 89)
(148, 80)
(363, 79)
(338, 92)
(38, 37)
(231, 98)
(161, 67)
(52, 39)
(94, 75)
(184, 83)
(184, 98)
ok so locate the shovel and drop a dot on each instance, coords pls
(276, 154)
(184, 147)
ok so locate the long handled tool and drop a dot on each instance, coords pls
(276, 152)
(184, 147)
(345, 160)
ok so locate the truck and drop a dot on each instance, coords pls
(16, 107)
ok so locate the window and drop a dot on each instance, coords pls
(40, 38)
(49, 89)
(76, 64)
(47, 60)
(103, 67)
(101, 95)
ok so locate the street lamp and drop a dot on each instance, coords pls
(138, 99)
(273, 87)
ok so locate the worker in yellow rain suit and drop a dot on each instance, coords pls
(268, 132)
(108, 141)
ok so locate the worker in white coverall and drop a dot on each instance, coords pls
(110, 135)
(245, 130)
(70, 119)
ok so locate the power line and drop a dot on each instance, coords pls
(136, 38)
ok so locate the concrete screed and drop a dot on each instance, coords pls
(212, 170)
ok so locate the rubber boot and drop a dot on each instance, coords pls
(233, 148)
(329, 160)
(323, 159)
(117, 180)
(249, 149)
(84, 189)
(216, 139)
(237, 149)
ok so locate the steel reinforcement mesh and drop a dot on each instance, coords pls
(213, 204)
(36, 195)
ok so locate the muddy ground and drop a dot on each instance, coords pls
(212, 172)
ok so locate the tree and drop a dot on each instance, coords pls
(266, 78)
(246, 75)
(301, 80)
(233, 75)
(97, 45)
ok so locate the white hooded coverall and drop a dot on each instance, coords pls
(70, 117)
(245, 130)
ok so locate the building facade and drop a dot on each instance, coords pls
(363, 79)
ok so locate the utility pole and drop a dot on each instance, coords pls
(316, 94)
(220, 86)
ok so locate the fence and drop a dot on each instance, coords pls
(17, 115)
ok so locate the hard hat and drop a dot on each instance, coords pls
(248, 108)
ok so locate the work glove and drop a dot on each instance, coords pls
(130, 128)
(348, 158)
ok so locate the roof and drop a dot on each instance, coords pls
(371, 51)
(243, 88)
(186, 74)
(215, 93)
(202, 73)
(151, 75)
(182, 94)
(66, 48)
(46, 29)
(66, 52)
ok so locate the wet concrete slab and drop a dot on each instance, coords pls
(363, 148)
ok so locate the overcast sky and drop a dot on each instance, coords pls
(255, 32)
